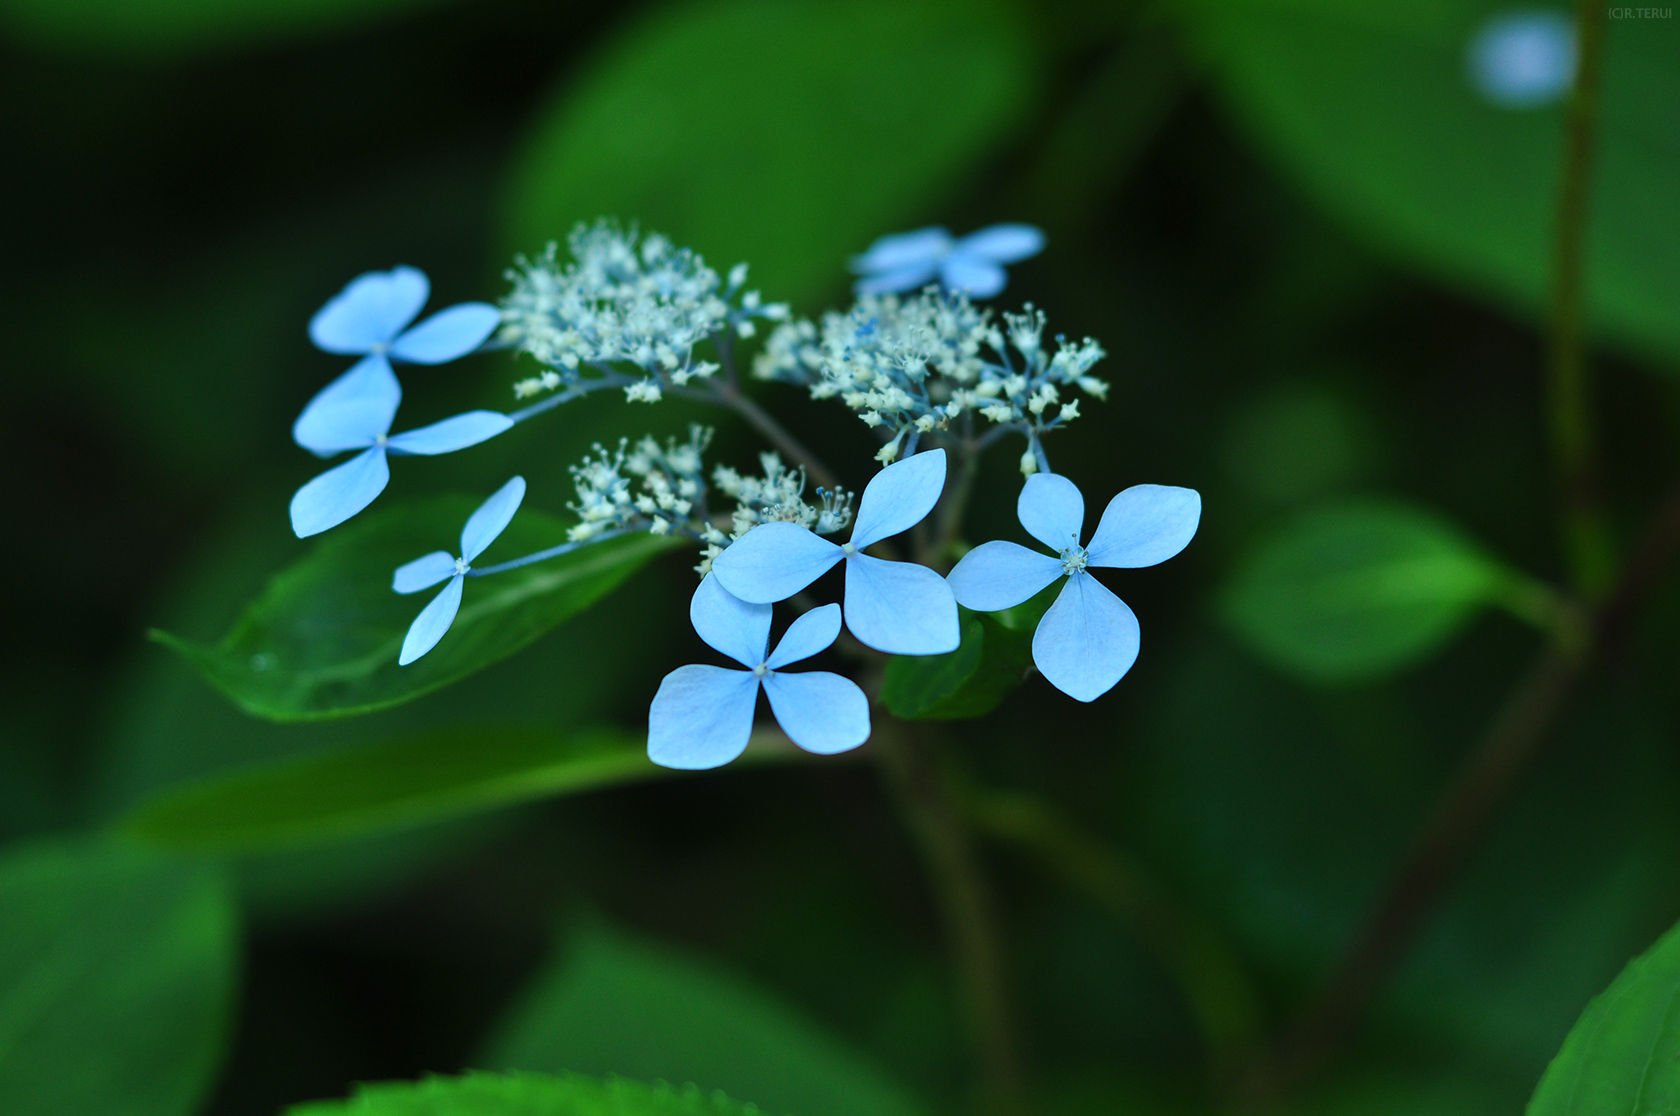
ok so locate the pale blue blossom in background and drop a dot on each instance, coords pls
(973, 264)
(489, 521)
(897, 607)
(702, 715)
(1524, 59)
(1088, 639)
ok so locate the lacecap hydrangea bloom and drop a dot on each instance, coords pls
(483, 526)
(972, 264)
(897, 607)
(1088, 639)
(355, 411)
(702, 715)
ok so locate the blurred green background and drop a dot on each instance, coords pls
(1317, 258)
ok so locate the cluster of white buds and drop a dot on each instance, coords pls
(914, 366)
(776, 497)
(623, 299)
(654, 488)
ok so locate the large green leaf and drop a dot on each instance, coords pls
(322, 640)
(183, 26)
(968, 682)
(788, 133)
(1623, 1056)
(618, 1005)
(526, 1094)
(1370, 107)
(393, 785)
(116, 981)
(1360, 589)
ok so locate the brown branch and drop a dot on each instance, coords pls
(1494, 768)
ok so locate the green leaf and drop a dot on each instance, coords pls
(174, 27)
(322, 639)
(618, 1005)
(1360, 589)
(1370, 107)
(1623, 1056)
(525, 1094)
(116, 981)
(782, 132)
(968, 682)
(393, 785)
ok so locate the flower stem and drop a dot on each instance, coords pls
(955, 503)
(762, 421)
(1586, 533)
(1219, 992)
(924, 796)
(544, 555)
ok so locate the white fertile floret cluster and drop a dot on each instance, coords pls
(623, 299)
(662, 489)
(915, 366)
(776, 497)
(654, 488)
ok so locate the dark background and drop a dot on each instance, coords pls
(173, 217)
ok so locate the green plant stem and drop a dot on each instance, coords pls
(763, 422)
(1220, 995)
(923, 792)
(955, 504)
(1586, 533)
(1490, 774)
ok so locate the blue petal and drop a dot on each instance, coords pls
(339, 493)
(448, 334)
(899, 607)
(907, 278)
(1087, 640)
(821, 712)
(491, 518)
(923, 247)
(1052, 510)
(729, 624)
(423, 573)
(981, 278)
(432, 622)
(774, 561)
(1002, 243)
(352, 412)
(452, 434)
(701, 717)
(813, 632)
(1146, 524)
(999, 575)
(899, 497)
(370, 311)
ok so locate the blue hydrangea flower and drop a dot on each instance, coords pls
(897, 607)
(1089, 638)
(489, 521)
(906, 261)
(1524, 59)
(702, 715)
(355, 411)
(367, 318)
